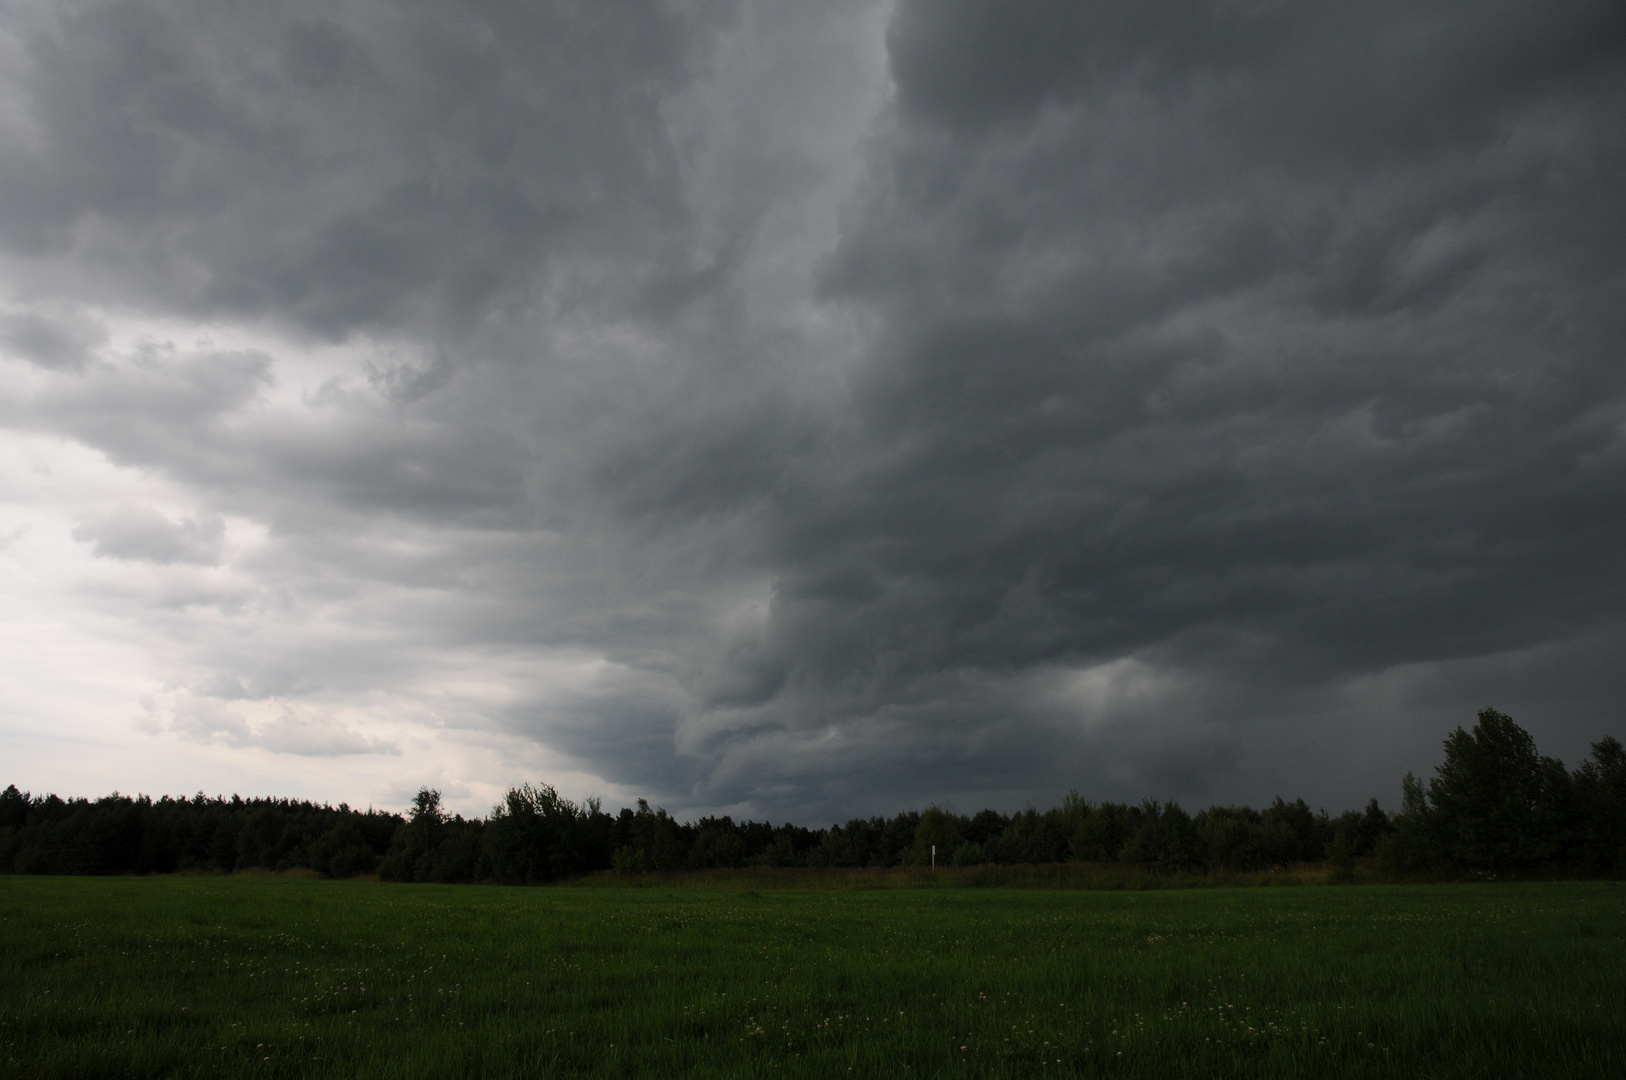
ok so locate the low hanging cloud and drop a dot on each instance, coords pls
(820, 409)
(203, 720)
(52, 342)
(144, 534)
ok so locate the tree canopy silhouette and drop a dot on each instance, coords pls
(1494, 806)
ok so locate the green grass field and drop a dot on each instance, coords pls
(211, 976)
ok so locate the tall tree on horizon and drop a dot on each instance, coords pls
(1495, 802)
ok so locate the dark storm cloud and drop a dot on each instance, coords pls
(53, 343)
(1279, 341)
(190, 413)
(1320, 85)
(1197, 400)
(1272, 350)
(346, 165)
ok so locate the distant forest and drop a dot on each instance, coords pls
(1495, 806)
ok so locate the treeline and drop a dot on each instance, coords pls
(1495, 806)
(123, 835)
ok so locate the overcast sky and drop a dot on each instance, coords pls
(807, 409)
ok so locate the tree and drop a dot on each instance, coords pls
(342, 852)
(1165, 840)
(716, 844)
(655, 840)
(1355, 835)
(426, 812)
(1233, 838)
(937, 828)
(531, 835)
(1412, 845)
(416, 854)
(1032, 837)
(1495, 804)
(13, 808)
(1101, 834)
(1600, 795)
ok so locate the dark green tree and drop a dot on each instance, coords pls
(1100, 835)
(936, 828)
(1233, 837)
(1495, 804)
(1600, 796)
(1412, 844)
(342, 852)
(434, 847)
(655, 840)
(1032, 837)
(532, 835)
(1166, 839)
(717, 844)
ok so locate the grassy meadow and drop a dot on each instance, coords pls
(267, 977)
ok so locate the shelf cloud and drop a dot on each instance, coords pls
(808, 410)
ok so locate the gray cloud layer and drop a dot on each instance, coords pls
(956, 402)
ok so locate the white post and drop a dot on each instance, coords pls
(934, 858)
